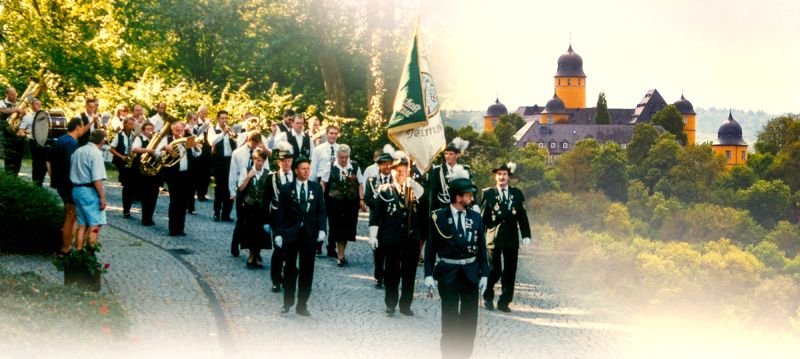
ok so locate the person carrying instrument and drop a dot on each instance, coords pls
(13, 143)
(146, 186)
(222, 147)
(121, 148)
(90, 116)
(178, 177)
(38, 152)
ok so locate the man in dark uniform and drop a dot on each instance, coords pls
(457, 238)
(178, 178)
(301, 224)
(146, 186)
(222, 147)
(504, 217)
(283, 157)
(203, 163)
(440, 176)
(121, 148)
(383, 177)
(393, 227)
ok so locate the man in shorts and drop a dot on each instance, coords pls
(58, 164)
(87, 173)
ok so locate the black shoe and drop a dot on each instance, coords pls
(234, 249)
(285, 309)
(251, 265)
(276, 288)
(407, 311)
(174, 234)
(503, 308)
(341, 263)
(302, 312)
(182, 234)
(148, 223)
(488, 304)
(216, 218)
(227, 219)
(126, 214)
(259, 265)
(389, 312)
(378, 284)
(331, 254)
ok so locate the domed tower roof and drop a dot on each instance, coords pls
(684, 106)
(555, 105)
(497, 109)
(730, 133)
(570, 64)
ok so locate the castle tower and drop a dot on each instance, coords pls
(493, 114)
(554, 112)
(730, 143)
(570, 81)
(687, 111)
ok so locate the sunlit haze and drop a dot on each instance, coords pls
(718, 53)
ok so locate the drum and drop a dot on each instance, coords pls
(49, 125)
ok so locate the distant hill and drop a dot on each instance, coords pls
(708, 121)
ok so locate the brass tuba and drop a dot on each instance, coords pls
(24, 101)
(151, 164)
(168, 160)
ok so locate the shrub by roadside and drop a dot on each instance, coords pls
(30, 217)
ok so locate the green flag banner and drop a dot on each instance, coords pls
(416, 124)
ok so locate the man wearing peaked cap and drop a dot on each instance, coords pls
(282, 154)
(504, 217)
(384, 176)
(457, 240)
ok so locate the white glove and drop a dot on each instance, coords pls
(373, 237)
(526, 241)
(429, 282)
(278, 241)
(321, 237)
(482, 284)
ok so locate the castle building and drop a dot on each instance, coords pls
(565, 119)
(730, 143)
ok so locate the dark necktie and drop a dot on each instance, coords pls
(285, 177)
(303, 200)
(505, 195)
(250, 160)
(458, 223)
(333, 156)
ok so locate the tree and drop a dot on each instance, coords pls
(532, 176)
(738, 178)
(694, 173)
(671, 120)
(787, 165)
(644, 137)
(609, 167)
(514, 119)
(574, 169)
(504, 132)
(761, 164)
(778, 133)
(663, 155)
(767, 201)
(602, 117)
(787, 236)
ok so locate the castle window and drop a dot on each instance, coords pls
(569, 82)
(552, 145)
(565, 145)
(579, 82)
(744, 156)
(549, 120)
(559, 82)
(728, 155)
(623, 145)
(541, 144)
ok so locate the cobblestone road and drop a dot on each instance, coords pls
(189, 296)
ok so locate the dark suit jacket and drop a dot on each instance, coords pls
(271, 197)
(446, 242)
(438, 183)
(300, 225)
(390, 214)
(504, 220)
(300, 149)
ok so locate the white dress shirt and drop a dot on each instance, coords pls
(126, 140)
(214, 138)
(27, 124)
(183, 165)
(299, 185)
(158, 122)
(503, 191)
(239, 160)
(454, 211)
(326, 176)
(243, 176)
(321, 159)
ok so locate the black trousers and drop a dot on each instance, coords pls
(459, 316)
(223, 206)
(147, 188)
(504, 270)
(276, 265)
(126, 178)
(39, 157)
(13, 150)
(179, 192)
(379, 255)
(401, 266)
(294, 280)
(202, 179)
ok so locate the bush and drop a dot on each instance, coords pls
(30, 217)
(561, 209)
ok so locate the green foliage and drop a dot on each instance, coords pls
(697, 168)
(644, 137)
(30, 217)
(514, 119)
(761, 164)
(602, 117)
(609, 167)
(671, 120)
(561, 209)
(778, 133)
(617, 220)
(504, 132)
(787, 237)
(767, 201)
(84, 258)
(661, 157)
(738, 178)
(532, 176)
(574, 168)
(769, 254)
(787, 165)
(707, 222)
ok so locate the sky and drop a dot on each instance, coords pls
(743, 54)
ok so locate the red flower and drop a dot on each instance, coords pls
(106, 330)
(105, 266)
(103, 309)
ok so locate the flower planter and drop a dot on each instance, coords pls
(81, 276)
